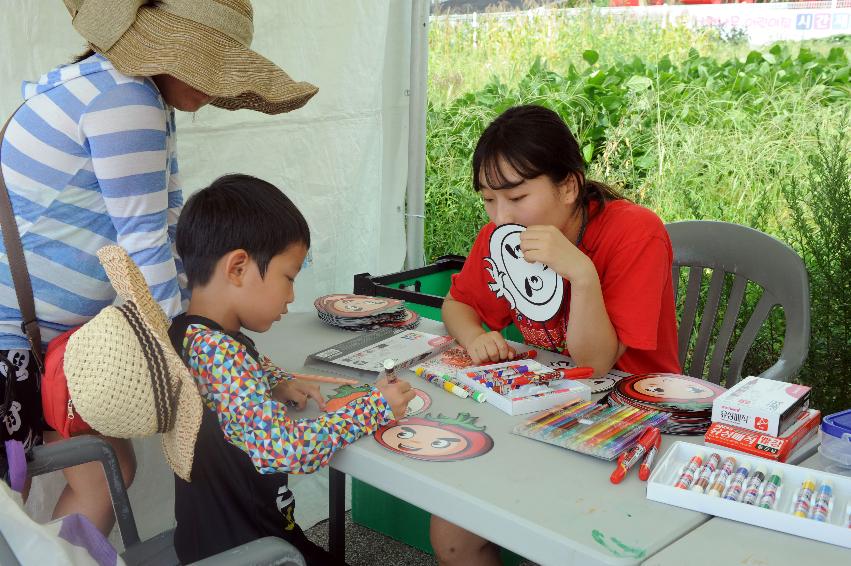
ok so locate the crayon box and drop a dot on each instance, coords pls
(777, 514)
(761, 405)
(763, 445)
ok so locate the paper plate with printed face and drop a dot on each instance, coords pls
(361, 312)
(670, 389)
(345, 394)
(436, 439)
(687, 400)
(355, 306)
(535, 290)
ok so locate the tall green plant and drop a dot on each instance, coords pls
(820, 228)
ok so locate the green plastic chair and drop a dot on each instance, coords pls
(703, 246)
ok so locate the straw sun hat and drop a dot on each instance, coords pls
(123, 374)
(204, 43)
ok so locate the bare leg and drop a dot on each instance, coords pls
(87, 492)
(456, 546)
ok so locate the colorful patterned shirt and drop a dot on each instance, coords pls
(237, 383)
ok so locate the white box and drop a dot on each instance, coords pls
(660, 487)
(539, 399)
(760, 404)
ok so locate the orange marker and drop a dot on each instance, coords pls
(576, 373)
(645, 444)
(644, 470)
(527, 355)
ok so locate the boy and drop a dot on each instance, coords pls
(242, 243)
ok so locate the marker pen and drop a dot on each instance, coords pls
(802, 501)
(772, 486)
(720, 482)
(821, 506)
(754, 484)
(644, 470)
(685, 479)
(703, 477)
(735, 490)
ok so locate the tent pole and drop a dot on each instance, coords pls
(415, 217)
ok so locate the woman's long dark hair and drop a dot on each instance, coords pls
(535, 141)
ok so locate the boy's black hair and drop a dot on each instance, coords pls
(236, 212)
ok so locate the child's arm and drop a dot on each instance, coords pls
(274, 374)
(465, 325)
(259, 425)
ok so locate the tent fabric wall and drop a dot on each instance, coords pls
(342, 159)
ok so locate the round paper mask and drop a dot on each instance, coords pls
(436, 439)
(534, 289)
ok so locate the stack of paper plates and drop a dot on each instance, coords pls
(361, 312)
(688, 400)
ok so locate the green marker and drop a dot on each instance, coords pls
(478, 396)
(769, 496)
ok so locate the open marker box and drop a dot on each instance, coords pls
(529, 398)
(834, 530)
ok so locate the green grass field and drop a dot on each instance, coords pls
(691, 123)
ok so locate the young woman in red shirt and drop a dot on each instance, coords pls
(614, 256)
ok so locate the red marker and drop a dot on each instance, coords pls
(645, 443)
(527, 355)
(576, 373)
(644, 470)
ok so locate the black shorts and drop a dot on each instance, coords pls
(21, 415)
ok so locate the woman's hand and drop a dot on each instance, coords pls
(490, 347)
(548, 245)
(298, 392)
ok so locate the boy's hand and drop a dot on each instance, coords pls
(298, 392)
(490, 347)
(398, 394)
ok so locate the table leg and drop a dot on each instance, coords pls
(337, 514)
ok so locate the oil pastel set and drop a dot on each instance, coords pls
(597, 430)
(775, 495)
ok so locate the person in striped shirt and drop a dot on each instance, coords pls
(89, 159)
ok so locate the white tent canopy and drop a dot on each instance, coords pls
(343, 158)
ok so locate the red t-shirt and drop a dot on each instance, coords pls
(631, 250)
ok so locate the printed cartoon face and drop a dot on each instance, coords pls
(424, 440)
(359, 304)
(419, 403)
(673, 387)
(440, 439)
(532, 288)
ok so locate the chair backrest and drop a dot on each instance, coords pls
(749, 255)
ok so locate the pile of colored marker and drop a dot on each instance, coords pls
(505, 377)
(449, 383)
(361, 312)
(597, 430)
(731, 480)
(688, 400)
(741, 482)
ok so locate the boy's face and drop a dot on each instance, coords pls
(263, 300)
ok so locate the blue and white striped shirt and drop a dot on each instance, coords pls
(89, 160)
